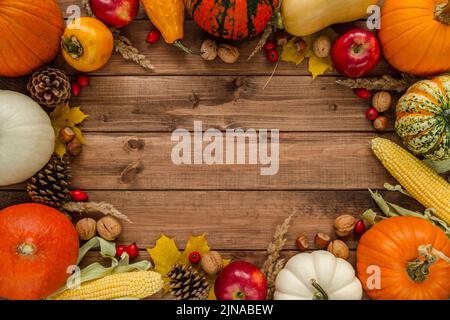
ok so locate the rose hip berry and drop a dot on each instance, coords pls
(360, 227)
(79, 196)
(363, 93)
(76, 89)
(270, 45)
(83, 81)
(195, 257)
(272, 55)
(372, 114)
(120, 250)
(153, 36)
(132, 250)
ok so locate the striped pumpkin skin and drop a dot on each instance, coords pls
(423, 118)
(232, 19)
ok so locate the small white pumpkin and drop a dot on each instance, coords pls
(318, 276)
(27, 139)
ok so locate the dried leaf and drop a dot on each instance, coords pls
(65, 116)
(165, 254)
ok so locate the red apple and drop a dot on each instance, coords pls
(241, 280)
(115, 13)
(356, 53)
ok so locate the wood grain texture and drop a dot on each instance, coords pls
(231, 220)
(169, 60)
(225, 102)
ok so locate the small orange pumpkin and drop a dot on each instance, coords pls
(391, 265)
(415, 35)
(37, 245)
(30, 32)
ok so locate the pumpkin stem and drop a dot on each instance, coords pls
(26, 249)
(320, 294)
(443, 12)
(418, 269)
(72, 46)
(179, 44)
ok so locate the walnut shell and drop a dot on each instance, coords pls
(228, 53)
(339, 249)
(86, 228)
(209, 50)
(322, 46)
(212, 263)
(344, 225)
(109, 228)
(382, 101)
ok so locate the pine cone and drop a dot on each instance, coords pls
(49, 87)
(188, 284)
(50, 185)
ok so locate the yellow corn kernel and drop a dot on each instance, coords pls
(139, 285)
(425, 185)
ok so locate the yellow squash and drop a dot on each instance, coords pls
(305, 17)
(168, 17)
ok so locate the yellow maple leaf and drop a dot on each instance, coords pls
(65, 116)
(317, 66)
(165, 255)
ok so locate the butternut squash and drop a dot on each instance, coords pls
(305, 17)
(168, 17)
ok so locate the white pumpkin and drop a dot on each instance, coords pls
(27, 139)
(318, 275)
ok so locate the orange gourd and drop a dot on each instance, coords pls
(391, 263)
(415, 35)
(30, 32)
(37, 245)
(168, 17)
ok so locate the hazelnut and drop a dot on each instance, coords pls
(300, 44)
(66, 135)
(382, 101)
(344, 225)
(281, 38)
(380, 123)
(74, 148)
(322, 47)
(339, 249)
(209, 50)
(212, 263)
(302, 243)
(228, 53)
(86, 228)
(109, 228)
(321, 240)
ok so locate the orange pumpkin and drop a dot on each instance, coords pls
(389, 264)
(415, 35)
(30, 32)
(37, 245)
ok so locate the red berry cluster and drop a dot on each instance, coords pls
(81, 82)
(271, 51)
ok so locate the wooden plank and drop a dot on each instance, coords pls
(307, 161)
(231, 220)
(224, 102)
(168, 59)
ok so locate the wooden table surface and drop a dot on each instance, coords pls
(326, 165)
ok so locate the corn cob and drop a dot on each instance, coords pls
(138, 285)
(421, 182)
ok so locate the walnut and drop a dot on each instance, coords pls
(382, 101)
(109, 228)
(228, 53)
(86, 228)
(209, 50)
(212, 263)
(322, 46)
(344, 225)
(339, 249)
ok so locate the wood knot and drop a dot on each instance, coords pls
(134, 144)
(194, 100)
(129, 174)
(332, 107)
